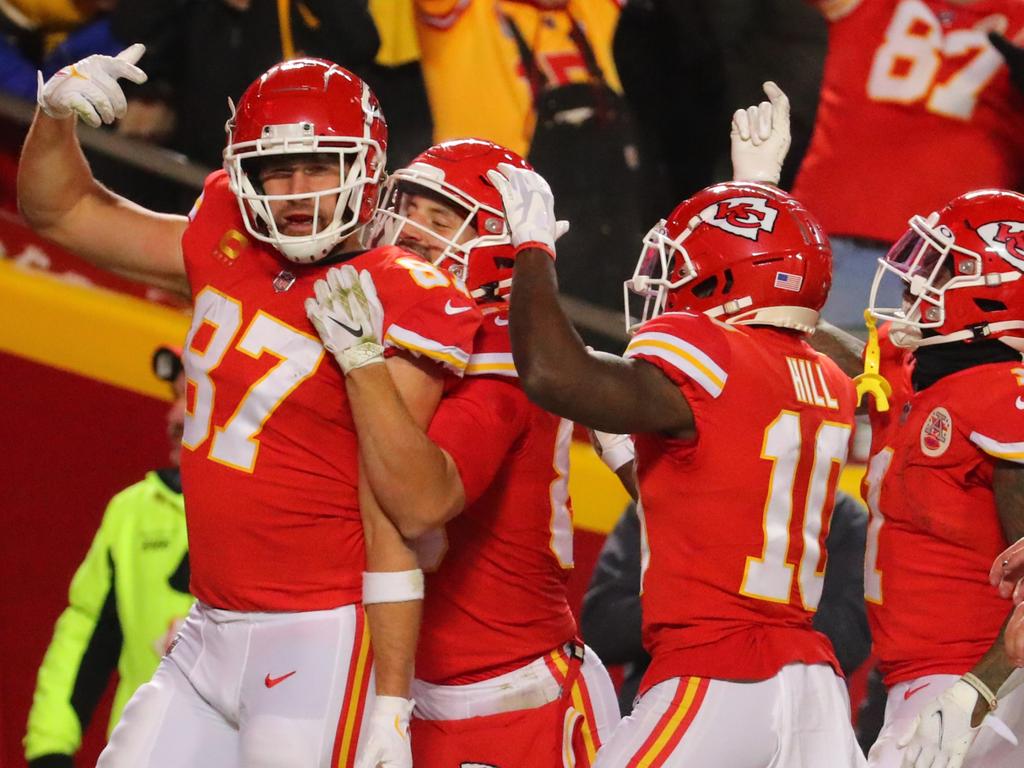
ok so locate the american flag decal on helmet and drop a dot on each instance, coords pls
(788, 282)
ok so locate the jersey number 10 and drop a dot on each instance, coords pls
(770, 576)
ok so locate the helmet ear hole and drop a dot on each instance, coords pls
(989, 305)
(727, 288)
(705, 288)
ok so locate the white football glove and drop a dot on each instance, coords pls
(614, 450)
(942, 732)
(529, 208)
(349, 317)
(387, 742)
(760, 138)
(89, 88)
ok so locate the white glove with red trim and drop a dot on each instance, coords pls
(387, 742)
(349, 317)
(614, 450)
(760, 138)
(942, 732)
(89, 88)
(529, 208)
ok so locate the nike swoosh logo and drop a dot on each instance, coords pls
(354, 331)
(911, 691)
(1020, 403)
(451, 309)
(501, 321)
(270, 682)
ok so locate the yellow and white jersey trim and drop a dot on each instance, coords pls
(491, 364)
(454, 358)
(681, 355)
(1006, 451)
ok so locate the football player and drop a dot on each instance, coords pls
(273, 667)
(501, 678)
(740, 431)
(920, 69)
(945, 486)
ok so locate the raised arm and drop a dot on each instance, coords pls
(555, 368)
(60, 198)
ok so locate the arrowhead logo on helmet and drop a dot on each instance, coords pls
(744, 216)
(1006, 238)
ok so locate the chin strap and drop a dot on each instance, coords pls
(910, 338)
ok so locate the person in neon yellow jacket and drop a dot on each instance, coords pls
(126, 602)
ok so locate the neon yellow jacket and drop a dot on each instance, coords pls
(125, 600)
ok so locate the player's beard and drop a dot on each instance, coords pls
(416, 247)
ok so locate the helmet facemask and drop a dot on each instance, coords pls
(652, 277)
(479, 226)
(929, 263)
(358, 167)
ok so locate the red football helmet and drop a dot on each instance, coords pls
(300, 107)
(962, 267)
(478, 250)
(746, 253)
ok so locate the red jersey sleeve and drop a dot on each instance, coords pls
(690, 349)
(423, 312)
(477, 426)
(996, 415)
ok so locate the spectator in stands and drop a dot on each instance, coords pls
(127, 599)
(537, 76)
(916, 108)
(210, 50)
(47, 34)
(610, 620)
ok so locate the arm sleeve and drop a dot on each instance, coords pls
(689, 349)
(996, 417)
(478, 425)
(611, 615)
(425, 317)
(841, 613)
(81, 656)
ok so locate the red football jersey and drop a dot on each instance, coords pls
(269, 466)
(934, 528)
(735, 520)
(496, 576)
(916, 108)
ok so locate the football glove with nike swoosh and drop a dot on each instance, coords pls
(942, 732)
(349, 317)
(387, 742)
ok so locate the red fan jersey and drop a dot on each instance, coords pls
(496, 576)
(916, 108)
(269, 466)
(735, 519)
(934, 527)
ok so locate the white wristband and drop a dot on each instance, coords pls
(983, 690)
(616, 450)
(392, 586)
